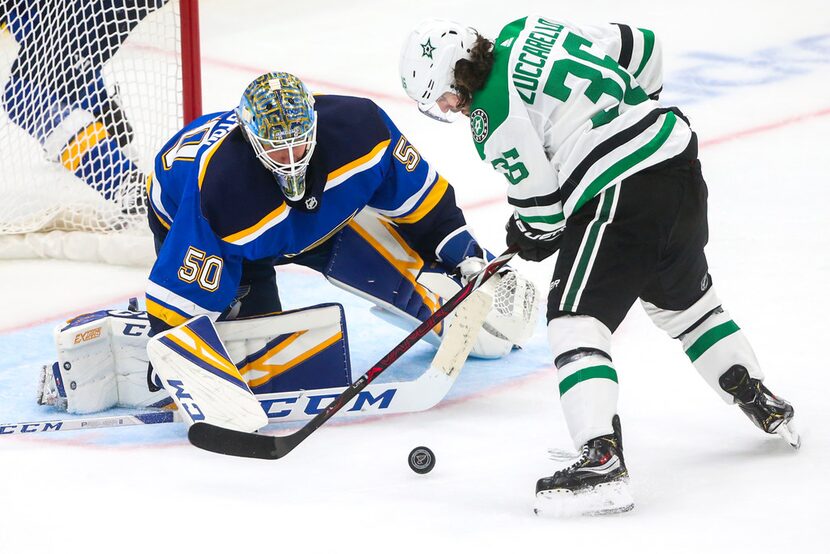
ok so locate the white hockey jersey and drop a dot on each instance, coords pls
(566, 113)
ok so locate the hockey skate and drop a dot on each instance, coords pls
(597, 483)
(48, 391)
(768, 412)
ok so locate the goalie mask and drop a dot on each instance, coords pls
(428, 61)
(277, 114)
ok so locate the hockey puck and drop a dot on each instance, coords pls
(421, 460)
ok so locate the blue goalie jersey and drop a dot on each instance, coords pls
(215, 205)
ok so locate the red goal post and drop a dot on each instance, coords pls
(91, 90)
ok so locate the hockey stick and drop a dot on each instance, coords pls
(416, 395)
(80, 423)
(251, 445)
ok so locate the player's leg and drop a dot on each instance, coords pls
(370, 259)
(257, 293)
(102, 356)
(196, 370)
(83, 135)
(608, 251)
(682, 301)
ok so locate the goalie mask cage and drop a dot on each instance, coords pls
(78, 76)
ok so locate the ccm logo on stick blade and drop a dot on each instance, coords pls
(315, 403)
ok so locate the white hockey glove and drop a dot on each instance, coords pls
(515, 301)
(469, 268)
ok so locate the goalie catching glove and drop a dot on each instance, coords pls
(512, 319)
(534, 245)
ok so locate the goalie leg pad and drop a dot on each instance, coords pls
(102, 362)
(294, 350)
(371, 260)
(711, 339)
(197, 372)
(102, 357)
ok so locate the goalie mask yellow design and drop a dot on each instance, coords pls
(277, 114)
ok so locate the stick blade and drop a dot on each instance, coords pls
(234, 443)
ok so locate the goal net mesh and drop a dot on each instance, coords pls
(91, 90)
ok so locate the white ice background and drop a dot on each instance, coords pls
(754, 79)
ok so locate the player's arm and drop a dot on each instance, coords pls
(637, 50)
(194, 274)
(421, 203)
(514, 150)
(538, 220)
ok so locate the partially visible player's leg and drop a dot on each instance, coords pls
(370, 259)
(79, 131)
(198, 373)
(102, 357)
(682, 302)
(607, 253)
(257, 293)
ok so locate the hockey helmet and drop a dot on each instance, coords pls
(428, 59)
(277, 113)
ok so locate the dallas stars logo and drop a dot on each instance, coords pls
(427, 49)
(479, 124)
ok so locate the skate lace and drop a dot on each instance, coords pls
(583, 457)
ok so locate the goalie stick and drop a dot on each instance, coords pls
(252, 445)
(416, 395)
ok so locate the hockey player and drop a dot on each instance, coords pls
(603, 174)
(327, 182)
(56, 92)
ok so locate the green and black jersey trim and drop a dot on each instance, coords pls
(648, 50)
(536, 201)
(494, 95)
(626, 44)
(574, 180)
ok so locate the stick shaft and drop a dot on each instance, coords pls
(285, 444)
(75, 424)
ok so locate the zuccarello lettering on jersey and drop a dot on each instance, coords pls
(532, 59)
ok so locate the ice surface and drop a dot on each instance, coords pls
(753, 77)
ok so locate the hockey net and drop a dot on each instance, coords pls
(91, 91)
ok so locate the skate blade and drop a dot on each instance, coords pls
(789, 434)
(605, 499)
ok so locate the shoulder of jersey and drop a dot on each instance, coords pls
(236, 191)
(348, 128)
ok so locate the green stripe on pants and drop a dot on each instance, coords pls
(711, 337)
(582, 269)
(593, 372)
